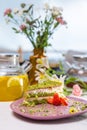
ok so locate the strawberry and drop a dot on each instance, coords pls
(56, 99)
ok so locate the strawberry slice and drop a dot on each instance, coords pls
(64, 101)
(50, 100)
(56, 96)
(56, 99)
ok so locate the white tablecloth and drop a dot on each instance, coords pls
(12, 121)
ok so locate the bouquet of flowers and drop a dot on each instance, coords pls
(38, 29)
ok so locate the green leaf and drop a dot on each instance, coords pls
(56, 24)
(23, 5)
(51, 71)
(27, 10)
(10, 15)
(67, 91)
(76, 80)
(70, 79)
(31, 6)
(16, 31)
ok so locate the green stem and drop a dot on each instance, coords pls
(31, 41)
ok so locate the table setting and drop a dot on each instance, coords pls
(34, 94)
(15, 115)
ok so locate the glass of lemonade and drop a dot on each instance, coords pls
(13, 79)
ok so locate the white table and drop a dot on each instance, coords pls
(11, 121)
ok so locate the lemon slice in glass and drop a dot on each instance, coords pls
(15, 87)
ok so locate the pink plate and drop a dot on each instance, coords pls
(76, 106)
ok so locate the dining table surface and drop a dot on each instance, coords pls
(10, 120)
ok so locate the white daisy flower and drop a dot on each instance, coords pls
(62, 78)
(39, 66)
(54, 76)
(15, 10)
(56, 11)
(46, 6)
(40, 77)
(20, 13)
(43, 70)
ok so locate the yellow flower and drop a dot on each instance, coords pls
(73, 110)
(42, 62)
(39, 61)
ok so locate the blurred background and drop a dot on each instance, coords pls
(74, 37)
